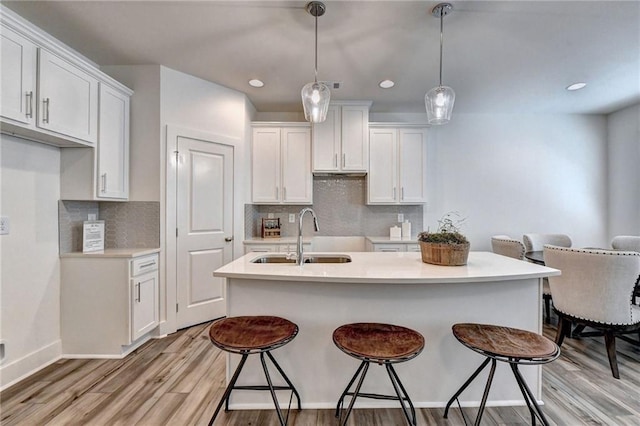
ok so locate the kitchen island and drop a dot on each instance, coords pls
(395, 288)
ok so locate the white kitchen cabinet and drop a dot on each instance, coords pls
(109, 301)
(101, 173)
(281, 164)
(18, 77)
(341, 142)
(67, 99)
(275, 248)
(397, 165)
(49, 92)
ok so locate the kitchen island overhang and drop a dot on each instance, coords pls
(396, 288)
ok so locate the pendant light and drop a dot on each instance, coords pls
(439, 100)
(316, 95)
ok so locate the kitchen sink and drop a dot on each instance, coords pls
(317, 258)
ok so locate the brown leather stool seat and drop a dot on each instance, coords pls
(246, 335)
(384, 344)
(511, 345)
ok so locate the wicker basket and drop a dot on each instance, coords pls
(444, 254)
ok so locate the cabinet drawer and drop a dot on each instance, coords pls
(144, 264)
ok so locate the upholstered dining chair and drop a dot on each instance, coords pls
(595, 290)
(632, 243)
(536, 242)
(507, 246)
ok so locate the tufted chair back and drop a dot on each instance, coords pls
(536, 242)
(595, 285)
(507, 246)
(626, 242)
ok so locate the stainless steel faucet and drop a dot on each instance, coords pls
(299, 259)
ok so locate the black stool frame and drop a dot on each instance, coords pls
(401, 394)
(534, 409)
(269, 386)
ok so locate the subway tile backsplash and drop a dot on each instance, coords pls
(340, 204)
(135, 224)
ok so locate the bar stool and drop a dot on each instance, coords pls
(383, 344)
(511, 345)
(247, 335)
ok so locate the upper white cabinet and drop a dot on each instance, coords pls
(397, 165)
(18, 77)
(281, 164)
(49, 92)
(341, 142)
(67, 99)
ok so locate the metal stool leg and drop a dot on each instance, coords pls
(397, 386)
(284, 376)
(485, 395)
(523, 385)
(353, 379)
(227, 392)
(464, 386)
(283, 422)
(356, 392)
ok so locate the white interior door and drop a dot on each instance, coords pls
(204, 228)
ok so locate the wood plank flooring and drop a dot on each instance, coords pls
(179, 379)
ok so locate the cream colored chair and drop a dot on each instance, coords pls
(507, 246)
(632, 243)
(595, 290)
(536, 242)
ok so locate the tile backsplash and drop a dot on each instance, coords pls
(340, 204)
(135, 224)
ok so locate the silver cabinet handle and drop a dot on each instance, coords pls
(228, 239)
(146, 265)
(29, 113)
(138, 285)
(277, 192)
(284, 193)
(344, 160)
(402, 193)
(335, 160)
(394, 192)
(103, 178)
(45, 114)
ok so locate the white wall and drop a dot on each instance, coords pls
(624, 171)
(513, 174)
(29, 263)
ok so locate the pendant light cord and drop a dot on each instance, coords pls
(441, 38)
(316, 69)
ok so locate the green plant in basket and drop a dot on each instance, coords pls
(447, 246)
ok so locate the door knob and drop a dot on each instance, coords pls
(228, 239)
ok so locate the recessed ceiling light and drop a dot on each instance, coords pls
(387, 84)
(576, 86)
(256, 83)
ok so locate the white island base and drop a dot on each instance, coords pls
(394, 288)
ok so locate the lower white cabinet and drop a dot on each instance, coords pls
(393, 247)
(275, 248)
(108, 302)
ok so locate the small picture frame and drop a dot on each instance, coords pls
(271, 228)
(93, 236)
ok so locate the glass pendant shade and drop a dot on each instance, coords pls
(315, 101)
(439, 103)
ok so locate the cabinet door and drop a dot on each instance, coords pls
(144, 305)
(113, 145)
(326, 142)
(383, 171)
(297, 180)
(260, 248)
(393, 248)
(355, 138)
(67, 99)
(265, 165)
(413, 157)
(18, 74)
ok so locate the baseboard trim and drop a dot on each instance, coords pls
(29, 364)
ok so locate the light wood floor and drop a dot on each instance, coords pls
(179, 379)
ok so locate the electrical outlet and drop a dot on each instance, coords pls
(292, 218)
(91, 217)
(400, 217)
(5, 225)
(270, 215)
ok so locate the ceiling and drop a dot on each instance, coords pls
(499, 56)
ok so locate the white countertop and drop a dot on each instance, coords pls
(379, 267)
(122, 252)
